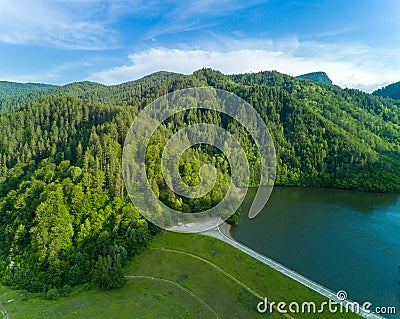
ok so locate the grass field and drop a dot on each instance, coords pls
(178, 276)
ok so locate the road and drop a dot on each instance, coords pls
(221, 232)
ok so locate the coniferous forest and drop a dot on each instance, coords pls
(65, 217)
(391, 91)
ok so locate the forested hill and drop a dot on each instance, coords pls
(116, 94)
(64, 214)
(9, 89)
(392, 91)
(319, 77)
(350, 127)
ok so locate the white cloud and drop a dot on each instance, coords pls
(67, 24)
(353, 66)
(89, 24)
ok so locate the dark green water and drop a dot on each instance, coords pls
(344, 240)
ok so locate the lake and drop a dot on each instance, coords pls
(344, 240)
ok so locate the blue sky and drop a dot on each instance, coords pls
(356, 42)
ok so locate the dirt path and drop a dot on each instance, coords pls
(219, 269)
(191, 293)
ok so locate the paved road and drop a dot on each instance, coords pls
(222, 232)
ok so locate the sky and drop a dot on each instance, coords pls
(356, 42)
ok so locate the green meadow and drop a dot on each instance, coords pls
(178, 276)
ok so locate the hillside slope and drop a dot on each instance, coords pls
(392, 91)
(169, 279)
(64, 213)
(9, 89)
(318, 77)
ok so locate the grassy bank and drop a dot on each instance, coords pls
(178, 276)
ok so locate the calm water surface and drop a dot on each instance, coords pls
(344, 240)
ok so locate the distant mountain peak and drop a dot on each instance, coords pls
(9, 89)
(319, 77)
(391, 90)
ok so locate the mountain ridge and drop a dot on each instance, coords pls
(9, 89)
(318, 77)
(392, 91)
(348, 110)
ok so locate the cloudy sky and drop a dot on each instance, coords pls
(356, 42)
